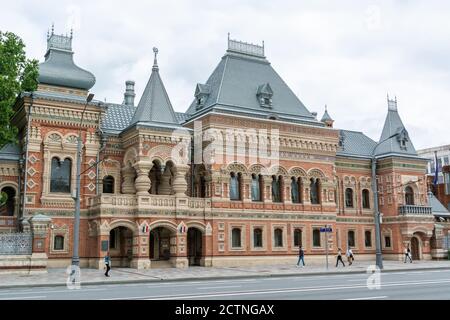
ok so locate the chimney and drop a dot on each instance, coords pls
(129, 93)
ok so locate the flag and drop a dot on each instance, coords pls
(436, 169)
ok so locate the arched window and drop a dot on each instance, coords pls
(349, 198)
(235, 186)
(155, 177)
(278, 237)
(351, 238)
(366, 199)
(296, 190)
(108, 184)
(202, 187)
(58, 243)
(60, 175)
(316, 238)
(276, 188)
(297, 237)
(314, 191)
(256, 187)
(368, 238)
(409, 196)
(257, 238)
(236, 238)
(7, 201)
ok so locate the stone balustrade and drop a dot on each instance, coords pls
(406, 210)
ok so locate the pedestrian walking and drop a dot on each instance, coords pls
(350, 257)
(301, 257)
(408, 254)
(339, 258)
(107, 264)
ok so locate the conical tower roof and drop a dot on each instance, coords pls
(155, 108)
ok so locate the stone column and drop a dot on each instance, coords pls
(207, 247)
(179, 184)
(164, 187)
(178, 250)
(143, 182)
(267, 189)
(306, 195)
(128, 186)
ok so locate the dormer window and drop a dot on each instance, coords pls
(264, 95)
(202, 93)
(403, 138)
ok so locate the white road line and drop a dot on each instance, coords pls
(223, 287)
(55, 291)
(22, 298)
(280, 290)
(367, 298)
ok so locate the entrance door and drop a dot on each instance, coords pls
(415, 250)
(194, 243)
(160, 244)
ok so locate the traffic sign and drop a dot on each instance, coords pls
(326, 230)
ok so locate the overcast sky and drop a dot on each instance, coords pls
(345, 54)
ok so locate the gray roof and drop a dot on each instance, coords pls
(10, 151)
(117, 117)
(354, 143)
(234, 86)
(390, 145)
(154, 107)
(59, 69)
(326, 116)
(181, 116)
(437, 207)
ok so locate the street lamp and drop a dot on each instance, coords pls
(76, 227)
(379, 257)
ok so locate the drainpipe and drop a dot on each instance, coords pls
(26, 160)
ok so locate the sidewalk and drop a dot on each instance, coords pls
(58, 277)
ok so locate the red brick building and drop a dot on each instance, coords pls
(263, 177)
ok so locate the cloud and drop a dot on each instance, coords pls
(346, 54)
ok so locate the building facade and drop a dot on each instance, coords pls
(442, 153)
(244, 176)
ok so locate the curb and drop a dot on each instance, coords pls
(186, 279)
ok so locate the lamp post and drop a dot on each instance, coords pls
(379, 257)
(76, 227)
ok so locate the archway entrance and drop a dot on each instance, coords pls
(8, 207)
(194, 246)
(160, 243)
(121, 247)
(415, 248)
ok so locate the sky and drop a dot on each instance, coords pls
(346, 54)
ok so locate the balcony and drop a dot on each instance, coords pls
(148, 202)
(408, 210)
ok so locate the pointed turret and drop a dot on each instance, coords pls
(394, 138)
(327, 119)
(154, 106)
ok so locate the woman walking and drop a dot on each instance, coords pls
(339, 258)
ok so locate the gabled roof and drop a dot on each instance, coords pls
(354, 143)
(155, 108)
(326, 116)
(234, 87)
(390, 144)
(10, 151)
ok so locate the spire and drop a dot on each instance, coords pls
(155, 61)
(327, 119)
(155, 106)
(395, 138)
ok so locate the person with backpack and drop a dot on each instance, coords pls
(301, 256)
(350, 257)
(408, 254)
(107, 264)
(339, 258)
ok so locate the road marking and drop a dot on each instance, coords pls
(274, 291)
(56, 291)
(223, 287)
(367, 298)
(21, 298)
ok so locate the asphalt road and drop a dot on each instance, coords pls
(431, 284)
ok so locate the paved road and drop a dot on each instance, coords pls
(432, 284)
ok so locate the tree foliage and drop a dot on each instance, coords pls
(17, 74)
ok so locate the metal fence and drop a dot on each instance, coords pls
(15, 243)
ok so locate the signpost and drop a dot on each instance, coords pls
(326, 230)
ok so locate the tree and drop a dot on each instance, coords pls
(17, 74)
